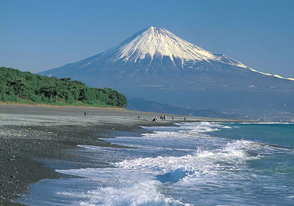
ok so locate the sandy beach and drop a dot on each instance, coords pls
(30, 134)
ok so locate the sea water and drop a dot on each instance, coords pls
(186, 164)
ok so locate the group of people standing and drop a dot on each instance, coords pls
(162, 117)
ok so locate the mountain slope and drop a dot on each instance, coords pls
(156, 65)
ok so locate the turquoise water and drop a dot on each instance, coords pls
(187, 164)
(279, 134)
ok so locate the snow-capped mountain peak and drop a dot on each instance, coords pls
(155, 41)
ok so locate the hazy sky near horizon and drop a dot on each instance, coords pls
(40, 35)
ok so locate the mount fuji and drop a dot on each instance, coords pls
(154, 64)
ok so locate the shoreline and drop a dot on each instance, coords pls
(30, 134)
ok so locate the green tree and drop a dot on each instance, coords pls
(16, 85)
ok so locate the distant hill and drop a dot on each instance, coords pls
(156, 65)
(25, 87)
(151, 106)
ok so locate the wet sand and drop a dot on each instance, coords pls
(30, 134)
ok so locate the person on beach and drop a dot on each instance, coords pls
(173, 118)
(85, 114)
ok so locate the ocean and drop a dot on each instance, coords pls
(196, 163)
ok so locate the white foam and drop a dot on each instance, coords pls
(117, 186)
(184, 136)
(140, 180)
(235, 151)
(143, 193)
(269, 123)
(186, 130)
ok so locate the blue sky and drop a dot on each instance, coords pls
(40, 35)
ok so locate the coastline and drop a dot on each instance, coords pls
(32, 133)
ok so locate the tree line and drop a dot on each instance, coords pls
(17, 86)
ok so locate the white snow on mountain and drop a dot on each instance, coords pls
(159, 41)
(154, 41)
(272, 75)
